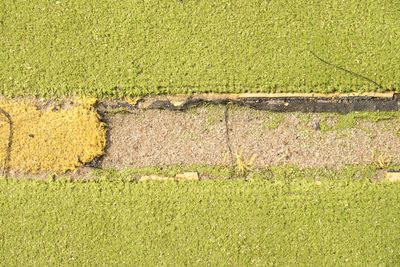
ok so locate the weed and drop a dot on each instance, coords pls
(380, 160)
(243, 165)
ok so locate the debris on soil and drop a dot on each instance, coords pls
(393, 176)
(187, 176)
(315, 125)
(155, 178)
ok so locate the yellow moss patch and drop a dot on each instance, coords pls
(45, 140)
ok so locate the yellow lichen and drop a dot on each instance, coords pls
(86, 101)
(45, 140)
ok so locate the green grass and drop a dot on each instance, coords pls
(130, 48)
(220, 222)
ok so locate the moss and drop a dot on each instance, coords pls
(305, 118)
(57, 48)
(214, 114)
(220, 222)
(275, 119)
(211, 120)
(331, 121)
(275, 173)
(120, 110)
(45, 140)
(205, 171)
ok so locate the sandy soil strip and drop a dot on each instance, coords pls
(199, 136)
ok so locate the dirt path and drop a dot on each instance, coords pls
(199, 136)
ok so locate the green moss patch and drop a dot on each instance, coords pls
(330, 121)
(219, 222)
(125, 48)
(275, 173)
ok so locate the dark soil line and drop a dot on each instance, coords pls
(96, 162)
(340, 105)
(9, 142)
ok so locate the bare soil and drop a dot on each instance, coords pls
(199, 136)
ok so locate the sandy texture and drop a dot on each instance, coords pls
(166, 137)
(198, 136)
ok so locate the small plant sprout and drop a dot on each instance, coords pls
(244, 165)
(380, 160)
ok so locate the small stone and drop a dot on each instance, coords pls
(178, 101)
(155, 178)
(316, 126)
(188, 176)
(393, 176)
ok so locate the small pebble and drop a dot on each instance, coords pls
(316, 126)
